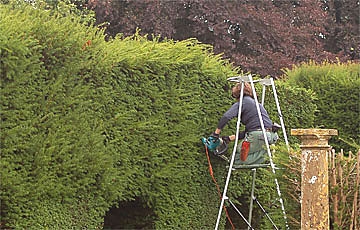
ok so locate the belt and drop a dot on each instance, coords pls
(267, 130)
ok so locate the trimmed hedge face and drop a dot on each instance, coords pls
(336, 87)
(87, 124)
(53, 157)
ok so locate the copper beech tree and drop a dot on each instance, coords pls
(259, 36)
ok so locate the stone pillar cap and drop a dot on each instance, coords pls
(312, 132)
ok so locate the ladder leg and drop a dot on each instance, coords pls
(252, 196)
(242, 216)
(279, 112)
(224, 196)
(266, 140)
(263, 95)
(287, 145)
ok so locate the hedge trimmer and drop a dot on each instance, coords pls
(217, 146)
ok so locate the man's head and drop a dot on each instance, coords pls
(235, 91)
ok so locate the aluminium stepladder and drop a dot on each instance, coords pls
(265, 83)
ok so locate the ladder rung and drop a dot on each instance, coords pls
(251, 166)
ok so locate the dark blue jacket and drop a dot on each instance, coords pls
(249, 116)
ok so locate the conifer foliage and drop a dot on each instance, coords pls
(51, 143)
(337, 92)
(87, 123)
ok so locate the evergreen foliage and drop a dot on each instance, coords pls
(336, 87)
(87, 124)
(54, 166)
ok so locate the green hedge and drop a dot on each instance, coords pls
(336, 87)
(88, 124)
(53, 159)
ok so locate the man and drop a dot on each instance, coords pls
(251, 149)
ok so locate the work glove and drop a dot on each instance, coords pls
(215, 136)
(214, 139)
(226, 139)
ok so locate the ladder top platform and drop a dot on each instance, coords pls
(246, 78)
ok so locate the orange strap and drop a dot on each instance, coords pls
(217, 186)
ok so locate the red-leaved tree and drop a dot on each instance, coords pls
(259, 36)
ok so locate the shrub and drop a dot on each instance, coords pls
(337, 91)
(52, 151)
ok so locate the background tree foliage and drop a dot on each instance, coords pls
(262, 37)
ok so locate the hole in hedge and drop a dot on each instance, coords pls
(130, 215)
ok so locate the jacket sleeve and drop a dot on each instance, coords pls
(228, 115)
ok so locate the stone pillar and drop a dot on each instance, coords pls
(314, 177)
